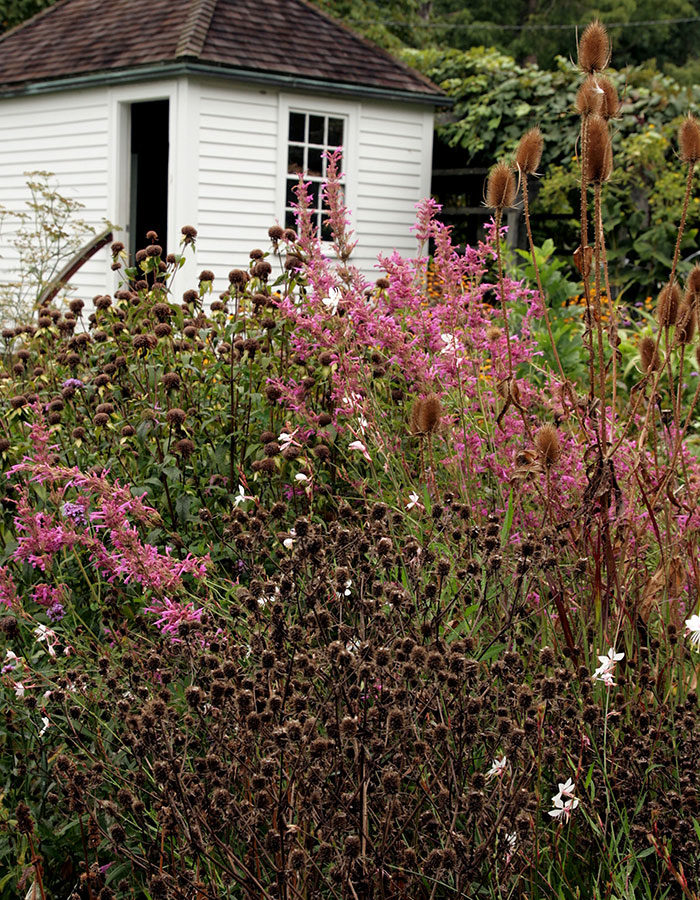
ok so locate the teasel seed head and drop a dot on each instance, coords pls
(589, 98)
(649, 355)
(594, 48)
(548, 445)
(529, 152)
(610, 105)
(685, 322)
(500, 187)
(598, 160)
(426, 414)
(693, 285)
(689, 139)
(667, 305)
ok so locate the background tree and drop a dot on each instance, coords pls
(12, 12)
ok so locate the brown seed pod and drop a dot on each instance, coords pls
(430, 414)
(689, 139)
(594, 48)
(500, 187)
(598, 159)
(697, 355)
(589, 98)
(649, 355)
(693, 284)
(667, 305)
(582, 260)
(529, 152)
(425, 415)
(685, 322)
(610, 105)
(548, 445)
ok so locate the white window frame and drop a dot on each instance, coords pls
(329, 106)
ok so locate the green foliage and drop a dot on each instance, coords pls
(13, 12)
(497, 100)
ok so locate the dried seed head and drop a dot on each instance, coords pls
(649, 355)
(529, 152)
(426, 414)
(697, 356)
(685, 322)
(548, 445)
(598, 159)
(594, 48)
(667, 305)
(610, 105)
(500, 187)
(689, 139)
(589, 98)
(693, 285)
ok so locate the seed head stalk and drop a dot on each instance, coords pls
(584, 247)
(502, 288)
(598, 224)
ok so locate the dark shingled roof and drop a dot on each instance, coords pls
(280, 37)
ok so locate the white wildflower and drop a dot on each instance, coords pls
(332, 301)
(693, 627)
(499, 767)
(607, 665)
(413, 500)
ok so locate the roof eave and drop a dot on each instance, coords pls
(185, 67)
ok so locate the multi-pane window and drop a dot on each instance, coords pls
(310, 135)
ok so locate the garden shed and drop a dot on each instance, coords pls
(202, 112)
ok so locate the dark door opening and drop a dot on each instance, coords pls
(148, 208)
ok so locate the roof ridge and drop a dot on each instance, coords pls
(196, 28)
(38, 15)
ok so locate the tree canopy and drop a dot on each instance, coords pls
(530, 30)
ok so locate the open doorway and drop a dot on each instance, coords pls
(148, 203)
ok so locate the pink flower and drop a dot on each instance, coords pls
(358, 445)
(172, 614)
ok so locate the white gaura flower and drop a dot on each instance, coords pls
(565, 790)
(511, 841)
(241, 496)
(46, 634)
(451, 343)
(607, 665)
(693, 627)
(300, 476)
(413, 500)
(287, 440)
(498, 768)
(19, 689)
(289, 542)
(332, 301)
(46, 724)
(563, 808)
(358, 445)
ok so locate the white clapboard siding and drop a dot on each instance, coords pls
(65, 133)
(394, 161)
(227, 167)
(237, 179)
